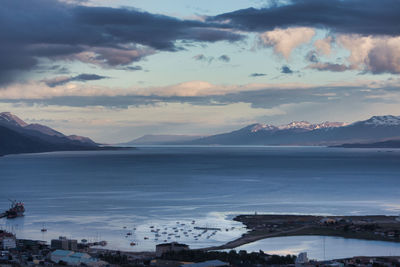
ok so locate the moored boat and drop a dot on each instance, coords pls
(17, 209)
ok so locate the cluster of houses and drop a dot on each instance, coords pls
(64, 251)
(360, 226)
(24, 252)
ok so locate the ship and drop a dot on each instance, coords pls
(17, 209)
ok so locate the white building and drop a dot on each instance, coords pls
(7, 240)
(301, 259)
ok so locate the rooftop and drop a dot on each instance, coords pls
(212, 263)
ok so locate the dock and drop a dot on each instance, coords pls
(207, 228)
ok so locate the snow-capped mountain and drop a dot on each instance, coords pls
(375, 129)
(262, 127)
(302, 125)
(387, 120)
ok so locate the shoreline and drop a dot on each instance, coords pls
(368, 227)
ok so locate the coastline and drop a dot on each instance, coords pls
(368, 227)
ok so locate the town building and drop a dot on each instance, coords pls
(301, 259)
(63, 243)
(7, 240)
(212, 263)
(170, 247)
(74, 258)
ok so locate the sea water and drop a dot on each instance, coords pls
(106, 195)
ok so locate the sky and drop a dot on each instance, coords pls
(115, 70)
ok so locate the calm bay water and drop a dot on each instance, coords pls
(94, 195)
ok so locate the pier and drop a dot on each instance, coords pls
(207, 228)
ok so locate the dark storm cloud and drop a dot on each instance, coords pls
(286, 70)
(79, 78)
(114, 36)
(351, 16)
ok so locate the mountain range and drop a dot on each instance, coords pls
(17, 136)
(375, 129)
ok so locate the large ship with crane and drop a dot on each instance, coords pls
(17, 209)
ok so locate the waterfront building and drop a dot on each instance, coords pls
(170, 247)
(7, 240)
(63, 243)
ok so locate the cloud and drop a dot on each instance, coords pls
(328, 67)
(224, 58)
(366, 17)
(186, 90)
(132, 68)
(373, 54)
(104, 36)
(209, 60)
(112, 57)
(285, 40)
(323, 46)
(79, 78)
(312, 56)
(256, 74)
(201, 57)
(368, 54)
(286, 70)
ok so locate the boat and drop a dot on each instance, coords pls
(17, 209)
(43, 229)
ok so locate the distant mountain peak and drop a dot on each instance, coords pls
(8, 117)
(262, 127)
(297, 125)
(386, 120)
(12, 121)
(303, 125)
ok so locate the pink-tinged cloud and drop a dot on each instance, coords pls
(284, 41)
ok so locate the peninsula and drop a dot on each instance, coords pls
(370, 227)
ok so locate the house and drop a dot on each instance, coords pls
(7, 240)
(170, 247)
(327, 221)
